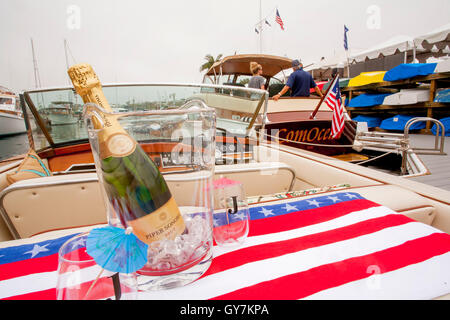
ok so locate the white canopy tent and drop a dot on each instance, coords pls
(401, 43)
(337, 61)
(404, 43)
(409, 45)
(437, 35)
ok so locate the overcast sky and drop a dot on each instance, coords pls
(165, 41)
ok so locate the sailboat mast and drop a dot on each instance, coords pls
(37, 79)
(65, 53)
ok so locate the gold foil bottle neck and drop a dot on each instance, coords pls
(83, 78)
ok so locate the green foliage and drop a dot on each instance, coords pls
(209, 62)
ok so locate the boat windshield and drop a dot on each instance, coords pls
(55, 115)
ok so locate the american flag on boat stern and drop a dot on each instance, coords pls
(334, 101)
(332, 246)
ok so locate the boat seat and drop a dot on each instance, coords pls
(4, 170)
(38, 205)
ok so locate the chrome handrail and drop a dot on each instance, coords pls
(437, 150)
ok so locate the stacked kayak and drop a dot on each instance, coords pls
(372, 122)
(406, 71)
(398, 122)
(410, 97)
(443, 66)
(443, 96)
(446, 123)
(407, 96)
(366, 78)
(401, 72)
(368, 100)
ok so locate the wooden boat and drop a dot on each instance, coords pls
(288, 119)
(270, 174)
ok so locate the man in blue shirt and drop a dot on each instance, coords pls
(300, 82)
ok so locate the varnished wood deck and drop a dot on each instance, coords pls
(439, 166)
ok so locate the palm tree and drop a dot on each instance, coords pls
(209, 62)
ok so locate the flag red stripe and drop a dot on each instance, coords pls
(279, 21)
(330, 104)
(303, 284)
(275, 249)
(25, 267)
(335, 125)
(308, 217)
(38, 265)
(102, 289)
(49, 294)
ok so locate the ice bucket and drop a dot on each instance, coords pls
(181, 143)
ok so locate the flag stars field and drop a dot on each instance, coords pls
(314, 203)
(290, 208)
(37, 249)
(334, 199)
(266, 212)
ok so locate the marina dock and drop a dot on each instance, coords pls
(438, 165)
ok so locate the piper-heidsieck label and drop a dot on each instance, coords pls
(134, 186)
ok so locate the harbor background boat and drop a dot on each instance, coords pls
(11, 118)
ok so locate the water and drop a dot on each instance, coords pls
(18, 144)
(13, 146)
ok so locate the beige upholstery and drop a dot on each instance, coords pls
(4, 170)
(31, 167)
(42, 204)
(5, 234)
(260, 178)
(311, 174)
(256, 178)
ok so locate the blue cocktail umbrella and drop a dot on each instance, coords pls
(116, 249)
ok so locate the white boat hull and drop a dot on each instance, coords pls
(11, 124)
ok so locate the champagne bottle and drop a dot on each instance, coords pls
(134, 186)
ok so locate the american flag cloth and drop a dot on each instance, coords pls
(333, 246)
(279, 21)
(334, 101)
